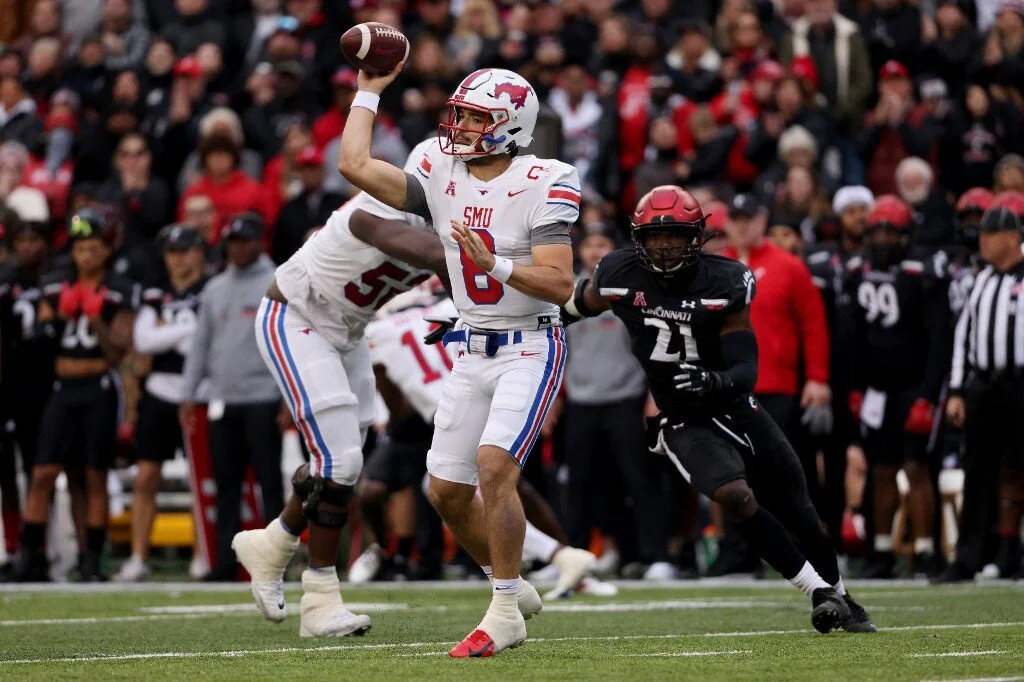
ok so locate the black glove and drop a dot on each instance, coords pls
(699, 381)
(444, 325)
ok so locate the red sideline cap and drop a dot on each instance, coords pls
(309, 156)
(804, 69)
(344, 77)
(188, 67)
(768, 70)
(892, 69)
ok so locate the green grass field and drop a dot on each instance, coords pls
(735, 632)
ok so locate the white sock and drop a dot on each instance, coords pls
(924, 546)
(280, 536)
(537, 545)
(808, 579)
(883, 543)
(503, 587)
(489, 572)
(841, 588)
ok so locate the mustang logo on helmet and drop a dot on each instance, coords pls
(516, 94)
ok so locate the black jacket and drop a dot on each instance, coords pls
(298, 217)
(22, 125)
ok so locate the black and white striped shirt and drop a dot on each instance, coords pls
(990, 332)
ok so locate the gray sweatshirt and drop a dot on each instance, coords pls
(224, 347)
(601, 368)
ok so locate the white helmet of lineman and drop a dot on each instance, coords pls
(511, 105)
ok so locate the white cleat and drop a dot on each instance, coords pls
(322, 612)
(495, 633)
(572, 565)
(365, 568)
(135, 570)
(596, 588)
(266, 562)
(546, 574)
(528, 600)
(661, 570)
(607, 563)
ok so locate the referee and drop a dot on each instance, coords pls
(987, 399)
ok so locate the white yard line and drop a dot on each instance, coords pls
(112, 619)
(249, 607)
(688, 654)
(897, 586)
(957, 654)
(393, 645)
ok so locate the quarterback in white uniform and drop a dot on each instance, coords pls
(509, 260)
(415, 370)
(309, 328)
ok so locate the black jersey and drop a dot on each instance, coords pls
(901, 326)
(77, 338)
(27, 360)
(675, 320)
(173, 307)
(827, 264)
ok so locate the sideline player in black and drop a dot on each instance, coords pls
(903, 340)
(87, 314)
(164, 328)
(27, 365)
(687, 314)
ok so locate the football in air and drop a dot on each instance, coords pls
(374, 47)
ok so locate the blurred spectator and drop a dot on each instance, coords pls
(176, 129)
(310, 208)
(664, 167)
(477, 34)
(230, 189)
(801, 203)
(45, 73)
(603, 424)
(281, 174)
(319, 38)
(613, 46)
(696, 60)
(915, 184)
(18, 120)
(840, 55)
(219, 82)
(577, 106)
(28, 202)
(434, 17)
(192, 27)
(330, 124)
(716, 213)
(951, 46)
(248, 33)
(888, 137)
(276, 107)
(785, 234)
(892, 29)
(123, 35)
(221, 121)
(387, 144)
(244, 403)
(709, 160)
(977, 137)
(1009, 174)
(44, 22)
(422, 110)
(747, 47)
(1003, 54)
(144, 200)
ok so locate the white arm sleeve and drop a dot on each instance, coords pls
(148, 337)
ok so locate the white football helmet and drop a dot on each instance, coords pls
(507, 98)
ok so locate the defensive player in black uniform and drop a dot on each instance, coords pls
(27, 365)
(164, 328)
(903, 343)
(87, 313)
(687, 314)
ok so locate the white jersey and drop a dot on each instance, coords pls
(418, 370)
(531, 194)
(346, 275)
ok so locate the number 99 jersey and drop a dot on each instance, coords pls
(675, 320)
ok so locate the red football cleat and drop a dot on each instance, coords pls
(478, 644)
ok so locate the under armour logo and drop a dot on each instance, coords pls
(451, 188)
(306, 331)
(639, 300)
(687, 304)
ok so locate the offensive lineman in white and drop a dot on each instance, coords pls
(509, 259)
(309, 328)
